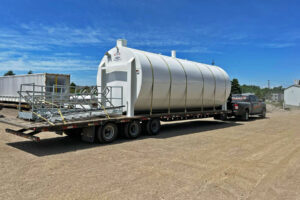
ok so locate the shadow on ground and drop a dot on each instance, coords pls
(58, 145)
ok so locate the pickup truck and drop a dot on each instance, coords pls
(243, 105)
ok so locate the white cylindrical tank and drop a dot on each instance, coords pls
(157, 83)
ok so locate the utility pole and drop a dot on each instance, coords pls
(268, 93)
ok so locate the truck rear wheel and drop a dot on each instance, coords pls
(153, 126)
(263, 114)
(133, 129)
(107, 133)
(245, 116)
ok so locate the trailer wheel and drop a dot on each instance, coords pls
(153, 126)
(107, 133)
(217, 117)
(133, 129)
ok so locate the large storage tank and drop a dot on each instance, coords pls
(155, 83)
(10, 85)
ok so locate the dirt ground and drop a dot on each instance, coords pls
(200, 159)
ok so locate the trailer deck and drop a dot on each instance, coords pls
(28, 129)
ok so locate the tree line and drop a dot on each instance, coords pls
(11, 73)
(236, 88)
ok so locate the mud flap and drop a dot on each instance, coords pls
(88, 134)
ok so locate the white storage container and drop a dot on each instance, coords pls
(10, 85)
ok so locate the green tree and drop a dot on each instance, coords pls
(235, 86)
(72, 87)
(30, 72)
(9, 73)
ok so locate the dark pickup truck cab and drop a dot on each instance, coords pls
(243, 105)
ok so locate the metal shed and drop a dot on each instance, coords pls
(292, 96)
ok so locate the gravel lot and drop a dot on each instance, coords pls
(200, 159)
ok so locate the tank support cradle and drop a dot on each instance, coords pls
(21, 133)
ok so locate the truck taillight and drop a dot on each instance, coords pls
(236, 106)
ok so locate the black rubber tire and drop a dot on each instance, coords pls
(217, 117)
(245, 116)
(107, 133)
(263, 114)
(222, 117)
(133, 129)
(98, 137)
(153, 126)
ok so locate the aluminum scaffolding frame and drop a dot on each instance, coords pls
(66, 103)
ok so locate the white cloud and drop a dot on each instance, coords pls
(44, 63)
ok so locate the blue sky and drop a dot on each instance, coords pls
(254, 41)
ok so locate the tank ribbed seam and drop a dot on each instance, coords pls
(170, 73)
(215, 86)
(152, 87)
(225, 82)
(202, 92)
(185, 83)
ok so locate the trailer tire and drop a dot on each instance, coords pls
(223, 117)
(217, 117)
(133, 129)
(107, 133)
(98, 134)
(153, 126)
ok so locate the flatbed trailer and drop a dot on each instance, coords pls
(105, 129)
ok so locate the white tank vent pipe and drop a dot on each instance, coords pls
(173, 53)
(121, 43)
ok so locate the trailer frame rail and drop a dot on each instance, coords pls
(21, 133)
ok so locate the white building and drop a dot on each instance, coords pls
(277, 97)
(292, 95)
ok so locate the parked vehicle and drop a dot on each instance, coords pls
(244, 105)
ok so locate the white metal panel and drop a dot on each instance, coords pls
(194, 84)
(144, 87)
(161, 82)
(220, 85)
(209, 85)
(10, 85)
(177, 100)
(292, 96)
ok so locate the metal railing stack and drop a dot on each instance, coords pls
(64, 103)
